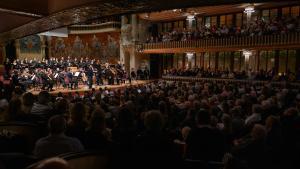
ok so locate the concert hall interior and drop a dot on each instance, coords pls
(207, 84)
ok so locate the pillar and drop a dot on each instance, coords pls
(17, 45)
(43, 46)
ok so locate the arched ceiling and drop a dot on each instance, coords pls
(19, 18)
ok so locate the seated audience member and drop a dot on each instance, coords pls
(77, 124)
(253, 152)
(27, 102)
(15, 112)
(3, 110)
(61, 107)
(42, 110)
(153, 147)
(125, 132)
(255, 117)
(53, 163)
(204, 142)
(97, 136)
(56, 142)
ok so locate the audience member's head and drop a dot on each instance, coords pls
(77, 113)
(43, 97)
(203, 117)
(126, 118)
(97, 120)
(257, 109)
(57, 125)
(62, 107)
(28, 99)
(15, 108)
(258, 132)
(153, 121)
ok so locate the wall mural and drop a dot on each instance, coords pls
(30, 44)
(102, 46)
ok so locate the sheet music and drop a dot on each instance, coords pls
(33, 77)
(77, 74)
(56, 75)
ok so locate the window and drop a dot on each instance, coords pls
(286, 11)
(222, 20)
(237, 61)
(213, 21)
(266, 14)
(180, 24)
(291, 61)
(221, 60)
(263, 60)
(207, 22)
(212, 60)
(206, 60)
(295, 11)
(273, 13)
(229, 20)
(239, 19)
(282, 61)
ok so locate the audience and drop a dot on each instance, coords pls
(259, 27)
(164, 122)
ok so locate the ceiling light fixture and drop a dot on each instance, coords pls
(190, 17)
(250, 9)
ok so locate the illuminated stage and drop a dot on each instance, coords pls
(83, 88)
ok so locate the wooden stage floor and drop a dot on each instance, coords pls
(83, 88)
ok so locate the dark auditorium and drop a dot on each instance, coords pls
(149, 84)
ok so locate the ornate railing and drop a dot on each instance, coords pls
(94, 27)
(224, 80)
(242, 42)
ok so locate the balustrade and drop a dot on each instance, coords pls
(242, 42)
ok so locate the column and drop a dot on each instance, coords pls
(43, 47)
(49, 39)
(277, 61)
(17, 45)
(134, 32)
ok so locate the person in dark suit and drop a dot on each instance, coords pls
(90, 74)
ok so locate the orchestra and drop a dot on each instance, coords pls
(67, 73)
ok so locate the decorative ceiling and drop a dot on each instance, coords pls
(20, 18)
(176, 14)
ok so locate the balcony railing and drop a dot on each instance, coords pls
(249, 42)
(223, 80)
(94, 27)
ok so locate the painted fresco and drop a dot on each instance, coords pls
(30, 44)
(102, 46)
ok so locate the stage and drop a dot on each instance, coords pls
(82, 88)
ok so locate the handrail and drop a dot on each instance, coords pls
(242, 42)
(228, 80)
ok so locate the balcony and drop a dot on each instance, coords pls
(95, 28)
(265, 42)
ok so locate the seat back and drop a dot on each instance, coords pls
(29, 133)
(191, 164)
(87, 160)
(83, 160)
